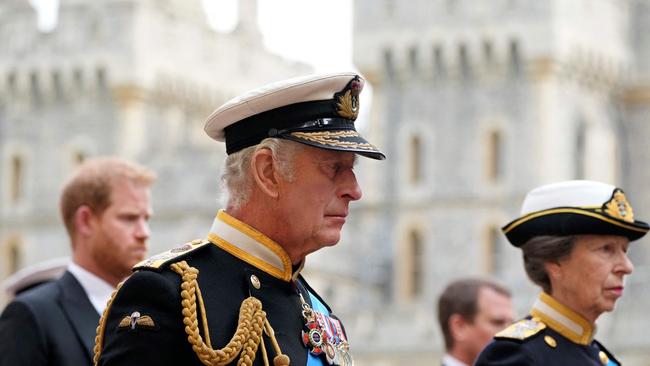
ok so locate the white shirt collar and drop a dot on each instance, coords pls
(449, 360)
(97, 290)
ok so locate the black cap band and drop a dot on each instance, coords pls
(251, 131)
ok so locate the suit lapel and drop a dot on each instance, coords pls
(80, 312)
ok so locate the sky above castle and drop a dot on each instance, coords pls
(315, 31)
(318, 32)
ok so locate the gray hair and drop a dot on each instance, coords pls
(543, 249)
(236, 180)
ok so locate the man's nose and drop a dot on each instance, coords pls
(143, 231)
(350, 186)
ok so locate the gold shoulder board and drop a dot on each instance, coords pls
(521, 330)
(158, 260)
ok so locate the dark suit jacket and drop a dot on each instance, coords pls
(52, 324)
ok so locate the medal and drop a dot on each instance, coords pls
(313, 336)
(323, 334)
(330, 354)
(344, 356)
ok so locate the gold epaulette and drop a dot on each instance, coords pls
(521, 330)
(158, 260)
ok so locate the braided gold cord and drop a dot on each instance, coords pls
(99, 338)
(204, 319)
(251, 325)
(265, 357)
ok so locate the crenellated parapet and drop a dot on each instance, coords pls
(461, 41)
(50, 85)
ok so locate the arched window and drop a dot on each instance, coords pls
(415, 173)
(413, 59)
(101, 79)
(439, 68)
(494, 156)
(16, 179)
(13, 251)
(35, 89)
(488, 52)
(57, 85)
(14, 258)
(77, 76)
(463, 62)
(12, 83)
(389, 64)
(580, 151)
(414, 265)
(492, 253)
(409, 269)
(515, 58)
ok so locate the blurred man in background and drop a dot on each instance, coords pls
(470, 312)
(34, 275)
(105, 206)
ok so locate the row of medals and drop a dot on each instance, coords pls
(323, 334)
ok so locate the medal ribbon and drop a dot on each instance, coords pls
(318, 308)
(322, 335)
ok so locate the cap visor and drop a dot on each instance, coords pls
(340, 140)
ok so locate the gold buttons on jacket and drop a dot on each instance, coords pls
(603, 357)
(550, 341)
(255, 282)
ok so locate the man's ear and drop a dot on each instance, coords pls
(458, 327)
(83, 218)
(554, 270)
(264, 172)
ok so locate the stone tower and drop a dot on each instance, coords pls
(475, 103)
(135, 78)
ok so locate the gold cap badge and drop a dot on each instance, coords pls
(619, 207)
(348, 103)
